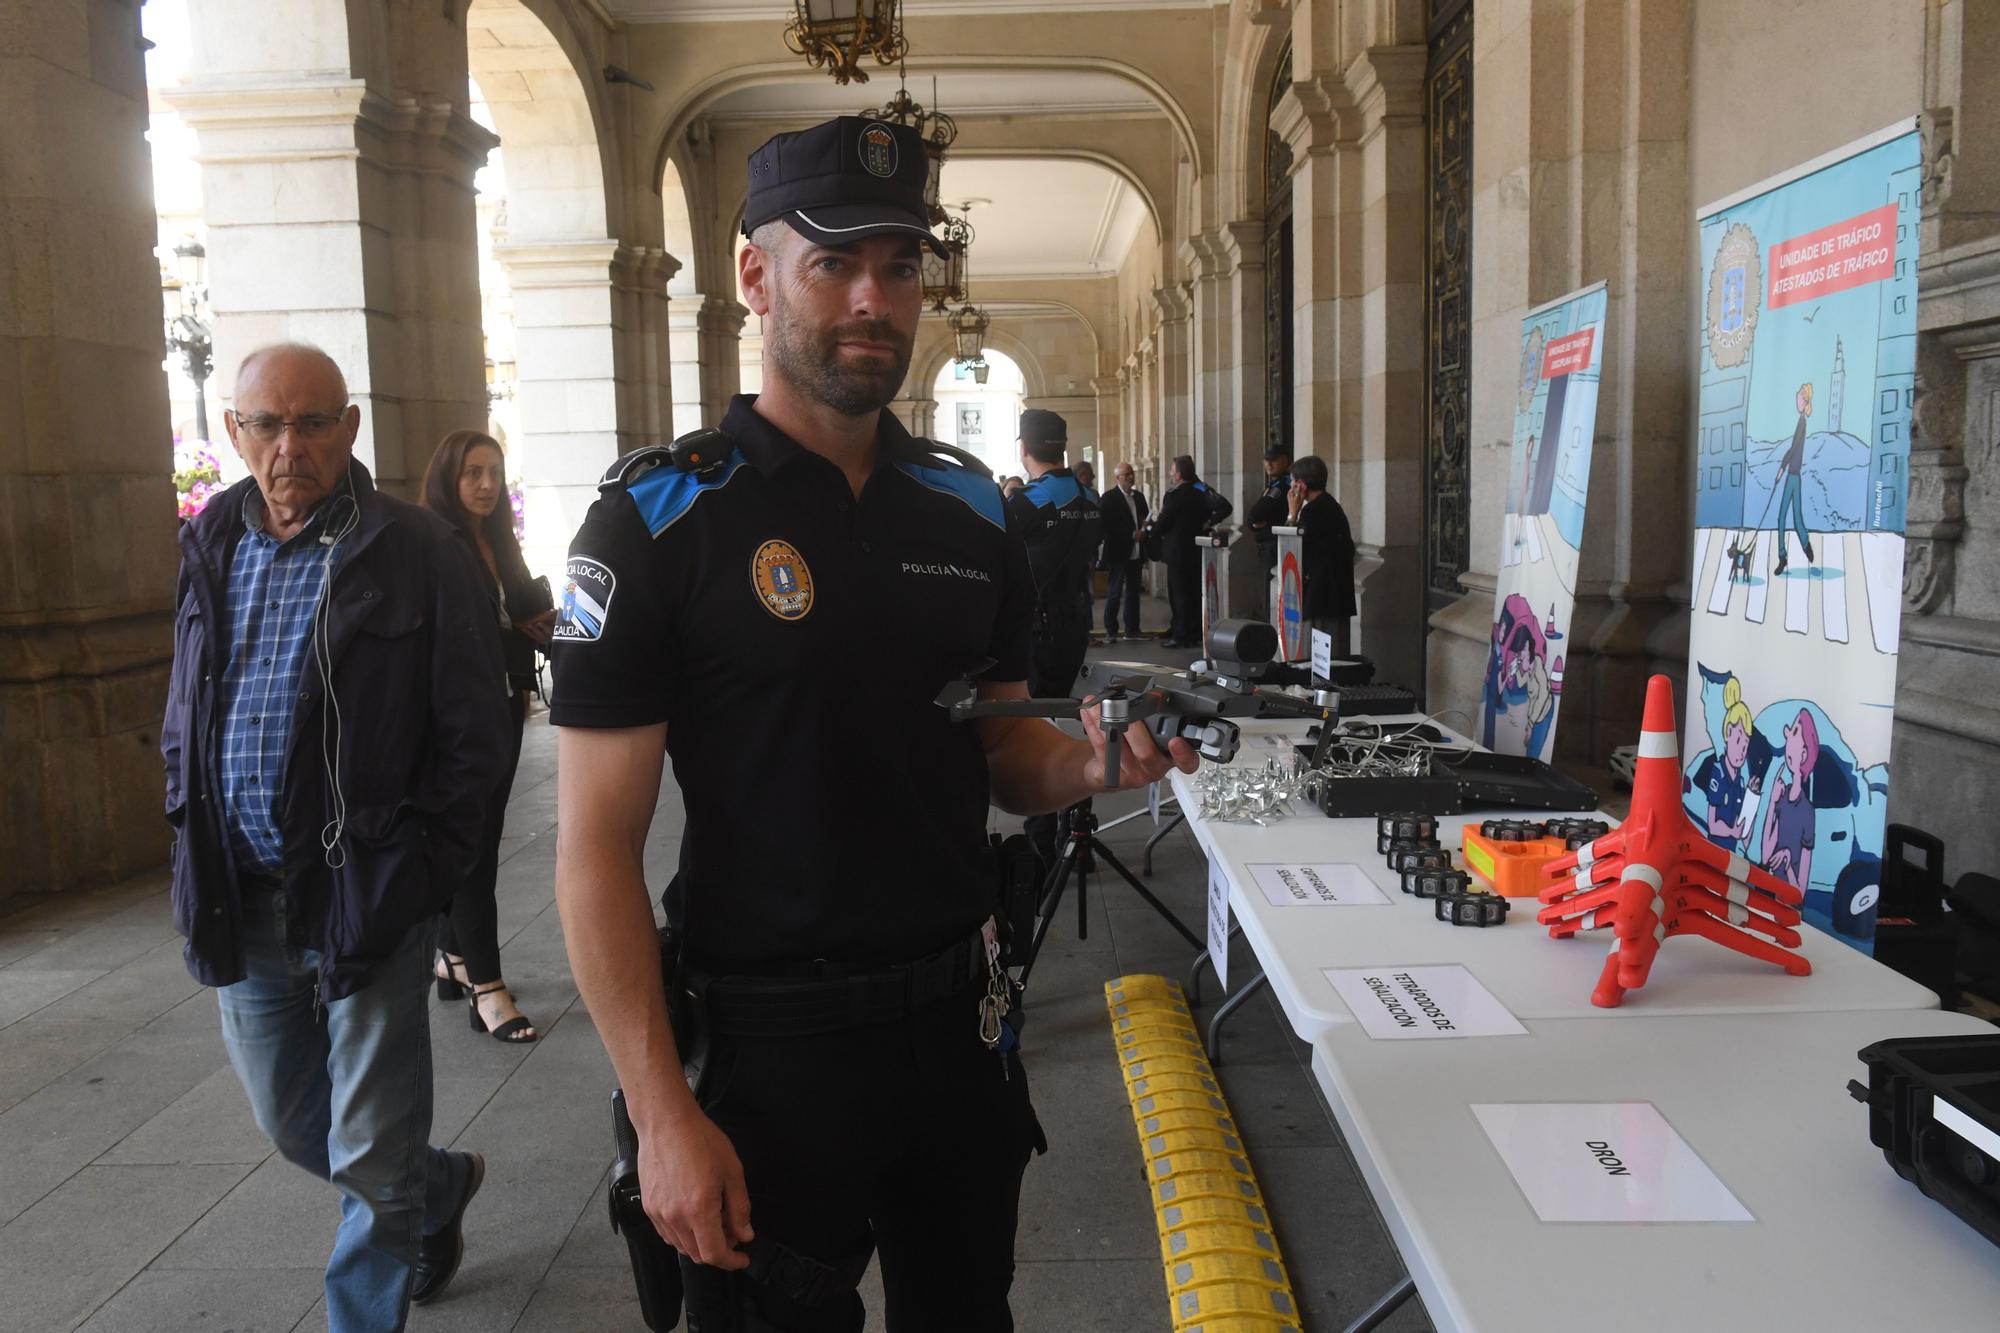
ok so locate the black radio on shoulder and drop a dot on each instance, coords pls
(700, 451)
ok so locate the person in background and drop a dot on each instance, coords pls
(466, 486)
(1270, 510)
(1086, 476)
(1189, 510)
(1009, 485)
(1058, 518)
(1326, 554)
(1125, 512)
(334, 722)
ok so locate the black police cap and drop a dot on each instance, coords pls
(843, 181)
(1041, 426)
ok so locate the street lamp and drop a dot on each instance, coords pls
(834, 34)
(188, 334)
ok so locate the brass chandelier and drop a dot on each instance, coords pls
(835, 34)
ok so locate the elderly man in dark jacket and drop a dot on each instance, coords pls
(334, 725)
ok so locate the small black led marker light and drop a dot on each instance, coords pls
(1473, 909)
(1435, 881)
(1410, 858)
(1406, 825)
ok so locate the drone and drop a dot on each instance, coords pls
(1195, 706)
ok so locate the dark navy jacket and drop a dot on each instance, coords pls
(1059, 519)
(415, 650)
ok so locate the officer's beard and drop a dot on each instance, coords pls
(809, 359)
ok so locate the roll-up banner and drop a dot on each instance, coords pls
(1541, 534)
(1808, 291)
(1214, 584)
(1288, 591)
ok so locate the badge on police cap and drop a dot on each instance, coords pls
(878, 151)
(783, 582)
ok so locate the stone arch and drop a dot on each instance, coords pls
(710, 90)
(568, 277)
(926, 364)
(1254, 52)
(547, 102)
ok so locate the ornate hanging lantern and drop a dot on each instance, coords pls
(968, 332)
(939, 131)
(979, 369)
(834, 34)
(945, 279)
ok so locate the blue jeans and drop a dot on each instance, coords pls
(1792, 504)
(345, 1092)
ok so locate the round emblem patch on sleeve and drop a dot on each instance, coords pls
(878, 151)
(784, 585)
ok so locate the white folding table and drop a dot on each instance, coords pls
(1531, 974)
(1838, 1242)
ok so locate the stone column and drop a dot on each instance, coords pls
(684, 338)
(1241, 379)
(1111, 446)
(1580, 172)
(1208, 336)
(341, 214)
(721, 326)
(86, 511)
(1386, 511)
(1317, 120)
(1176, 427)
(565, 313)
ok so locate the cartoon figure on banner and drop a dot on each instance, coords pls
(1522, 683)
(1784, 789)
(1724, 778)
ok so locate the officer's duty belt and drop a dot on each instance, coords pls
(737, 1005)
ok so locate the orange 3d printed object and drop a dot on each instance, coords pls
(1656, 876)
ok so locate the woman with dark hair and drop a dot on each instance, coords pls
(467, 486)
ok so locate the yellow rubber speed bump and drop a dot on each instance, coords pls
(1223, 1270)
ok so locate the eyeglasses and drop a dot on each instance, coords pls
(265, 429)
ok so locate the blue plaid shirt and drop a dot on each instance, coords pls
(274, 589)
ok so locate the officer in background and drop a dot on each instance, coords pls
(1270, 510)
(1187, 511)
(1057, 516)
(776, 608)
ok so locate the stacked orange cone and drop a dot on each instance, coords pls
(1656, 876)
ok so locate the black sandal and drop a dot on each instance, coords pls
(451, 977)
(516, 1031)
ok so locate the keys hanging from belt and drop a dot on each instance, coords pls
(994, 1030)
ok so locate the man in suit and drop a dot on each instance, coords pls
(1327, 553)
(1189, 510)
(1125, 513)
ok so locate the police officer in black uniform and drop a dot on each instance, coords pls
(1057, 516)
(776, 611)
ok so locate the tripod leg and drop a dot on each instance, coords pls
(1230, 1006)
(1051, 900)
(1180, 817)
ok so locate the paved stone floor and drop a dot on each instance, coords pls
(136, 1193)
